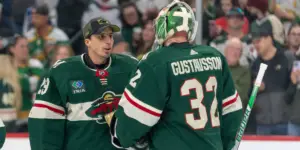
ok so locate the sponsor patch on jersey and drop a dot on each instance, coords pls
(78, 87)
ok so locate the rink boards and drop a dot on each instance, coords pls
(21, 142)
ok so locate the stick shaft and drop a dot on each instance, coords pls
(245, 119)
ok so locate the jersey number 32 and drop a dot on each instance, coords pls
(196, 103)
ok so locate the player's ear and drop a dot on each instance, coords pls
(87, 42)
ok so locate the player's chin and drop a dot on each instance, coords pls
(106, 53)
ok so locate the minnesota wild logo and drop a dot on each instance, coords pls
(107, 103)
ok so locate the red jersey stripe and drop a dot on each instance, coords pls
(49, 108)
(140, 107)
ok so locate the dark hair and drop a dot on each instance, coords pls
(125, 5)
(219, 11)
(14, 40)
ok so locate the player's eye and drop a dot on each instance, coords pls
(103, 36)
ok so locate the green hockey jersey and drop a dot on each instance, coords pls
(58, 119)
(181, 96)
(2, 133)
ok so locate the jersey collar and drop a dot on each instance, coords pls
(86, 60)
(181, 45)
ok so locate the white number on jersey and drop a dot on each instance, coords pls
(196, 103)
(44, 86)
(136, 77)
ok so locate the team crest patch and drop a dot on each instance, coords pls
(102, 74)
(108, 102)
(78, 87)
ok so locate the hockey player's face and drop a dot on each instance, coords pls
(101, 44)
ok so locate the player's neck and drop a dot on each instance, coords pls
(96, 59)
(172, 40)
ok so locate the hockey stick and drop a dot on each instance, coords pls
(261, 72)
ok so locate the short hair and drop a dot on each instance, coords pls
(235, 41)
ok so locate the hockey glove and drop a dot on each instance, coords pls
(141, 144)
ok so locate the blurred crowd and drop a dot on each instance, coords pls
(34, 34)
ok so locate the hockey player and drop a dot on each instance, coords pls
(182, 96)
(63, 116)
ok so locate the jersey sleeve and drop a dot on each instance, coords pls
(2, 134)
(46, 124)
(141, 105)
(231, 109)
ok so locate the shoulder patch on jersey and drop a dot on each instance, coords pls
(57, 63)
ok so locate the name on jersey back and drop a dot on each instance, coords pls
(196, 65)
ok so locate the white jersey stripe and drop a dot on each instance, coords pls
(157, 111)
(234, 106)
(44, 113)
(135, 113)
(77, 111)
(49, 104)
(229, 98)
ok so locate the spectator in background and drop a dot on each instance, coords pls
(150, 14)
(29, 72)
(43, 36)
(137, 40)
(235, 30)
(148, 37)
(60, 52)
(240, 76)
(10, 91)
(209, 27)
(243, 5)
(293, 39)
(69, 19)
(260, 9)
(227, 6)
(294, 115)
(287, 11)
(107, 9)
(120, 46)
(271, 101)
(131, 19)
